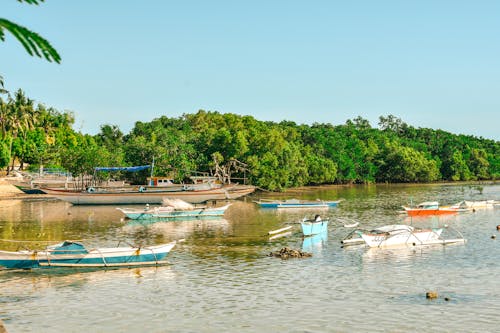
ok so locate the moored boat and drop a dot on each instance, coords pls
(473, 205)
(429, 208)
(73, 254)
(295, 203)
(314, 226)
(404, 235)
(173, 209)
(148, 196)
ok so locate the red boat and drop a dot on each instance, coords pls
(429, 208)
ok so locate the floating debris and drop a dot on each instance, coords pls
(285, 234)
(431, 295)
(272, 232)
(286, 253)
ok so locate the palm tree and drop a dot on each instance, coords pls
(32, 42)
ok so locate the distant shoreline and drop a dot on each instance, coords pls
(11, 192)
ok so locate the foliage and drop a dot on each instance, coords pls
(32, 42)
(275, 156)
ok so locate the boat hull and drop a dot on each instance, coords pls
(298, 204)
(103, 257)
(136, 214)
(313, 228)
(152, 197)
(403, 238)
(428, 212)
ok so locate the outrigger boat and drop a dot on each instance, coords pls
(429, 208)
(73, 254)
(295, 203)
(397, 235)
(473, 205)
(173, 209)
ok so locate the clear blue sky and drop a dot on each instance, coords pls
(433, 63)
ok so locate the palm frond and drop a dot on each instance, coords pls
(32, 42)
(31, 2)
(2, 90)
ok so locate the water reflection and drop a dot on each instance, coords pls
(315, 243)
(178, 229)
(222, 279)
(15, 283)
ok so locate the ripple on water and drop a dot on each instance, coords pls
(222, 279)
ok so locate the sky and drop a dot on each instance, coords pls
(434, 64)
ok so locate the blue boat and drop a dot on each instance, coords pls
(170, 213)
(314, 227)
(295, 203)
(73, 254)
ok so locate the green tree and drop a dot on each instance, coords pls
(4, 154)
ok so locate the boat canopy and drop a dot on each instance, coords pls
(129, 169)
(68, 247)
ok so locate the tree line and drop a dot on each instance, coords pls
(275, 156)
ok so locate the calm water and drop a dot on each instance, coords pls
(221, 278)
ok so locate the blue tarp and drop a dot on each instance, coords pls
(129, 169)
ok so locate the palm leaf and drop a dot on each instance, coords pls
(2, 90)
(32, 42)
(31, 2)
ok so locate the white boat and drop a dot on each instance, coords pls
(404, 235)
(141, 196)
(397, 235)
(473, 205)
(173, 209)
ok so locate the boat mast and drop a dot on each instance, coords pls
(151, 181)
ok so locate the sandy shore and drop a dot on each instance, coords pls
(9, 191)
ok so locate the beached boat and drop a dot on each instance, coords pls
(429, 208)
(314, 226)
(295, 203)
(173, 209)
(404, 235)
(73, 254)
(141, 196)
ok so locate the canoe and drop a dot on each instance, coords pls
(294, 203)
(167, 213)
(312, 227)
(73, 254)
(148, 197)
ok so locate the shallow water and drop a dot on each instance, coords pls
(222, 279)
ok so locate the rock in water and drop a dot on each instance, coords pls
(286, 253)
(431, 295)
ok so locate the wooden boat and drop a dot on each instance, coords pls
(148, 196)
(73, 254)
(404, 235)
(429, 208)
(173, 209)
(295, 203)
(314, 227)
